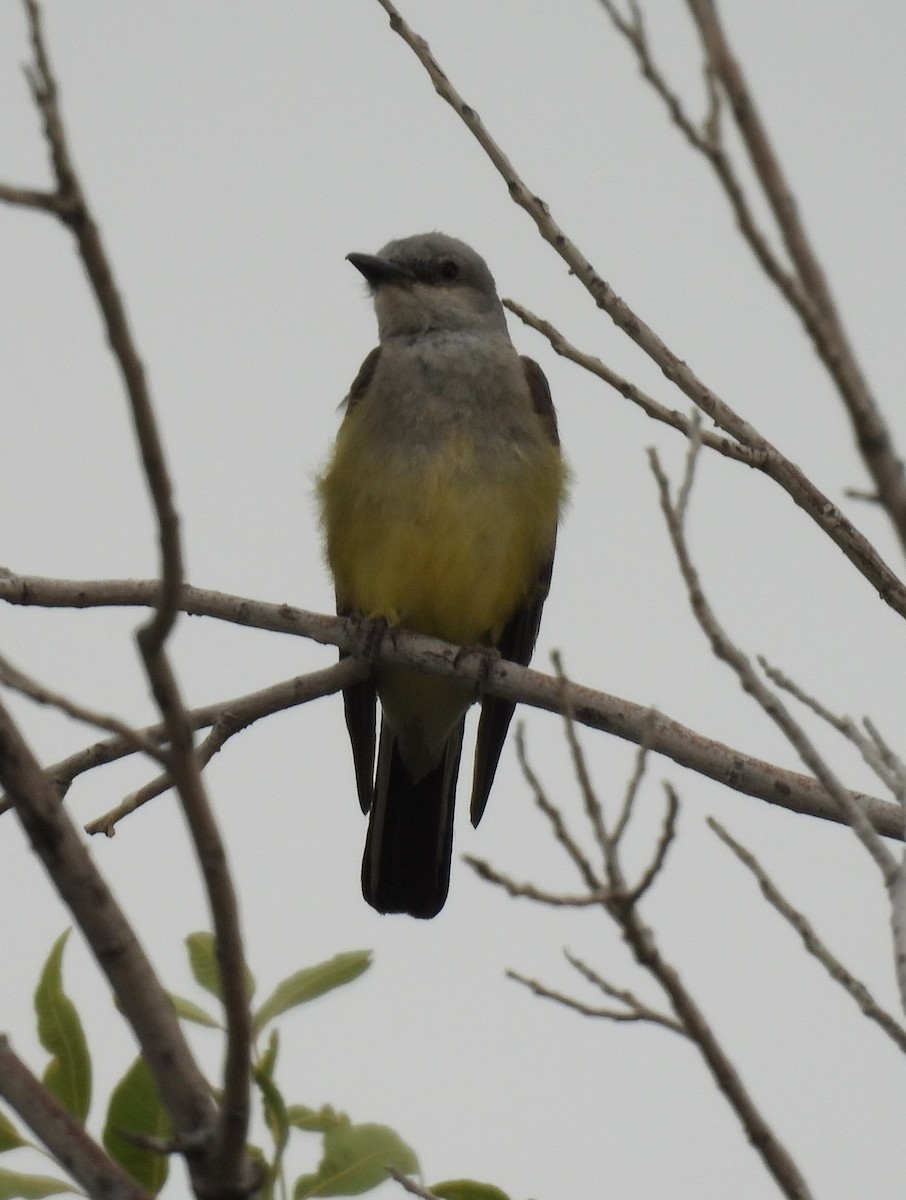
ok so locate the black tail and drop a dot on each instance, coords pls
(406, 867)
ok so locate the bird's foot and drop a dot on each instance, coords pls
(367, 633)
(488, 658)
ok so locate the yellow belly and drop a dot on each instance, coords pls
(446, 546)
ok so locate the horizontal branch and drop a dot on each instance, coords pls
(622, 718)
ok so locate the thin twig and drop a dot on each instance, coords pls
(664, 842)
(812, 942)
(819, 314)
(17, 680)
(672, 417)
(529, 891)
(782, 470)
(226, 719)
(751, 682)
(624, 995)
(593, 809)
(558, 825)
(629, 1015)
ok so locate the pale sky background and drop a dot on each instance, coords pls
(234, 153)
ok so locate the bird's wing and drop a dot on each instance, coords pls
(520, 633)
(360, 700)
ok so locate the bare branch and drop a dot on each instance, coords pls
(633, 1012)
(624, 995)
(230, 1162)
(812, 942)
(630, 391)
(17, 680)
(226, 718)
(621, 905)
(876, 753)
(728, 652)
(593, 809)
(528, 891)
(63, 1135)
(598, 710)
(664, 842)
(118, 952)
(800, 489)
(558, 825)
(818, 310)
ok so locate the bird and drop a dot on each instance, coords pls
(439, 507)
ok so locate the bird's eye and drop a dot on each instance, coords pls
(449, 269)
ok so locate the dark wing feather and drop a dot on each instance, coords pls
(360, 700)
(520, 633)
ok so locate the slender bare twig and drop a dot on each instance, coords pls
(593, 809)
(819, 315)
(812, 942)
(633, 787)
(408, 1184)
(875, 752)
(590, 877)
(706, 139)
(597, 710)
(634, 1010)
(782, 470)
(63, 1135)
(230, 1165)
(892, 871)
(664, 842)
(621, 905)
(17, 680)
(624, 995)
(770, 702)
(529, 891)
(672, 417)
(226, 719)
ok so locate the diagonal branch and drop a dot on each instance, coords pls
(813, 944)
(113, 942)
(63, 1135)
(818, 310)
(782, 470)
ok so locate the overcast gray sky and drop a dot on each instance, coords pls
(234, 153)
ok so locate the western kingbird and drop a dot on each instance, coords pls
(439, 507)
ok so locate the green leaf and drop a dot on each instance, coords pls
(311, 982)
(206, 969)
(14, 1186)
(355, 1160)
(189, 1011)
(135, 1107)
(315, 1120)
(10, 1138)
(467, 1189)
(274, 1113)
(268, 1060)
(68, 1074)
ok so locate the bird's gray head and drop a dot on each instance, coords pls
(430, 282)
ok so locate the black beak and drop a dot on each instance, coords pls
(379, 270)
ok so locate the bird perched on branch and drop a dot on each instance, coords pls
(439, 507)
